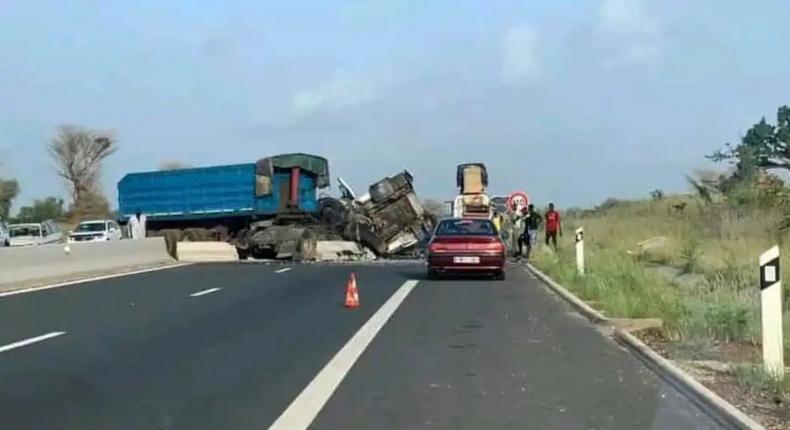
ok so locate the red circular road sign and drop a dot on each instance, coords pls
(517, 200)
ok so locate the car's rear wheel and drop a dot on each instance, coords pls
(433, 274)
(500, 276)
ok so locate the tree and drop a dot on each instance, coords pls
(90, 205)
(173, 165)
(764, 146)
(41, 210)
(9, 189)
(657, 194)
(78, 154)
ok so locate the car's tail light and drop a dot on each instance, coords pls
(490, 247)
(437, 247)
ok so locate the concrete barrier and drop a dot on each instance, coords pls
(206, 252)
(25, 266)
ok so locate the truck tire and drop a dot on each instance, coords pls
(196, 235)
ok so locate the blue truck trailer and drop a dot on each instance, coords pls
(232, 202)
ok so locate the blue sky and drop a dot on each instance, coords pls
(573, 101)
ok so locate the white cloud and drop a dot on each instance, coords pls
(340, 92)
(630, 35)
(521, 63)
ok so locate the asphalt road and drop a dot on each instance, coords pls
(233, 346)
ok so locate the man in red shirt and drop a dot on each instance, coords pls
(553, 225)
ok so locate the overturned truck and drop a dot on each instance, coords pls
(389, 220)
(270, 208)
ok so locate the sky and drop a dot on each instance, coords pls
(572, 101)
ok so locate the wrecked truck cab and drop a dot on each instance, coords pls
(389, 220)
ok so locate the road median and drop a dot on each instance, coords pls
(31, 267)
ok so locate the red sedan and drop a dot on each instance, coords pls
(466, 245)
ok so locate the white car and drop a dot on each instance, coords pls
(4, 238)
(96, 231)
(29, 234)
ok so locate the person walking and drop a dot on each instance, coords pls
(553, 226)
(531, 225)
(520, 230)
(137, 226)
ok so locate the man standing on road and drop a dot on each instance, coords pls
(531, 225)
(553, 226)
(137, 228)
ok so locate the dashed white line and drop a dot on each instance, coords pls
(287, 269)
(204, 292)
(32, 340)
(303, 410)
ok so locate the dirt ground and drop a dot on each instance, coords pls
(713, 367)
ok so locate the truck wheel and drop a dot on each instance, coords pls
(243, 253)
(191, 235)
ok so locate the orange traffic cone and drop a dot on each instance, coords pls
(352, 294)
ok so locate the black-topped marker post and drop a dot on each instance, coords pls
(580, 250)
(771, 306)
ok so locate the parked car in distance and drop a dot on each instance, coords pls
(466, 245)
(40, 233)
(4, 238)
(96, 231)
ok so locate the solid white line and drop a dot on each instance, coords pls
(303, 410)
(287, 269)
(25, 342)
(96, 278)
(204, 292)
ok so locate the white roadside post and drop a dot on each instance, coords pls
(580, 250)
(771, 303)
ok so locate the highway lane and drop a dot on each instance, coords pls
(467, 354)
(231, 346)
(231, 359)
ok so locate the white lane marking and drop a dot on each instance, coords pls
(303, 410)
(32, 340)
(287, 269)
(96, 278)
(204, 292)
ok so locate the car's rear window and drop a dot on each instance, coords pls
(23, 231)
(91, 227)
(466, 227)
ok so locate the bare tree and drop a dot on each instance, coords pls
(9, 189)
(173, 165)
(78, 154)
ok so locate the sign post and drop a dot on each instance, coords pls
(517, 201)
(771, 304)
(580, 250)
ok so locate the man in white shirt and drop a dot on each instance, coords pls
(137, 226)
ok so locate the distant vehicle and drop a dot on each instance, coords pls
(466, 245)
(96, 231)
(29, 234)
(499, 204)
(4, 238)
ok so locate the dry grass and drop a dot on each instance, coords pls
(717, 246)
